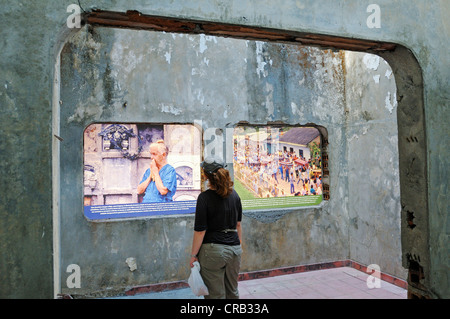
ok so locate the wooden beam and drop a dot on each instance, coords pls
(138, 21)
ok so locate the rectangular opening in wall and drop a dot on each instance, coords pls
(277, 167)
(138, 170)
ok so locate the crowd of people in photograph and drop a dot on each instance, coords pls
(280, 174)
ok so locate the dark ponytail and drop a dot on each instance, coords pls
(221, 182)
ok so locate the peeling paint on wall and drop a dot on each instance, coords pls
(170, 109)
(168, 56)
(391, 103)
(260, 59)
(376, 78)
(131, 262)
(371, 61)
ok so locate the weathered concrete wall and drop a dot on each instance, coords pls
(372, 151)
(189, 78)
(32, 32)
(25, 165)
(186, 79)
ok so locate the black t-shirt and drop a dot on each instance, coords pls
(214, 213)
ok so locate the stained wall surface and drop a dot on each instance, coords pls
(219, 83)
(372, 152)
(33, 33)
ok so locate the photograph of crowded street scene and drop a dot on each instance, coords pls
(277, 167)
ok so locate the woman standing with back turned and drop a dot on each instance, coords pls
(218, 233)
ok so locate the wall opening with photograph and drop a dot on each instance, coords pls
(277, 167)
(119, 181)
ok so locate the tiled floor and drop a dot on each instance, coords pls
(336, 283)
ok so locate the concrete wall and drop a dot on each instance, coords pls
(189, 78)
(32, 34)
(214, 81)
(373, 172)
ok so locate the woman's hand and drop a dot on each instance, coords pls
(192, 261)
(153, 167)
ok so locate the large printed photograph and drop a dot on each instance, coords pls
(277, 167)
(136, 170)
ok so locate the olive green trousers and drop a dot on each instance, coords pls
(219, 268)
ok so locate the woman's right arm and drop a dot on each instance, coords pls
(239, 231)
(196, 244)
(143, 186)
